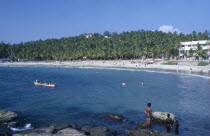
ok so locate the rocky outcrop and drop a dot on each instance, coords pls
(162, 116)
(7, 115)
(87, 130)
(148, 133)
(70, 132)
(141, 126)
(115, 116)
(101, 131)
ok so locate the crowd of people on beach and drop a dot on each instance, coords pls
(169, 122)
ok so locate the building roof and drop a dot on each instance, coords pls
(195, 42)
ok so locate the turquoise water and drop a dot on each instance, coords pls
(84, 95)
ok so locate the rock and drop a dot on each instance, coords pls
(101, 131)
(7, 116)
(73, 125)
(141, 126)
(115, 116)
(33, 134)
(44, 130)
(162, 116)
(147, 133)
(70, 132)
(86, 129)
(5, 134)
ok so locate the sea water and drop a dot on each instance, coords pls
(85, 95)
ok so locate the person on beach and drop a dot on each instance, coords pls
(169, 123)
(148, 113)
(198, 70)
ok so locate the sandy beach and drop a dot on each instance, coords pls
(125, 64)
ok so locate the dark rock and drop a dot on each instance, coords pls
(73, 125)
(59, 127)
(115, 116)
(87, 129)
(122, 135)
(4, 131)
(7, 116)
(141, 126)
(148, 133)
(5, 134)
(34, 134)
(45, 130)
(101, 131)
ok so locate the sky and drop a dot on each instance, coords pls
(27, 20)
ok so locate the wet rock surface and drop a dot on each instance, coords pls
(115, 116)
(7, 115)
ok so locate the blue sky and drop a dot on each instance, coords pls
(26, 20)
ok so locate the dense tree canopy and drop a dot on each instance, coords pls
(126, 45)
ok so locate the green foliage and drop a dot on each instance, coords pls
(202, 63)
(125, 45)
(201, 52)
(169, 63)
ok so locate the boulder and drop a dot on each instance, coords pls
(115, 116)
(70, 132)
(101, 131)
(148, 133)
(7, 116)
(86, 129)
(162, 116)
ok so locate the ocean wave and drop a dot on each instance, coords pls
(27, 126)
(149, 71)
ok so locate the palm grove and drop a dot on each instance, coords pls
(125, 45)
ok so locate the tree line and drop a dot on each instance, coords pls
(106, 46)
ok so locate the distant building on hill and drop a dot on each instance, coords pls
(89, 35)
(106, 36)
(192, 45)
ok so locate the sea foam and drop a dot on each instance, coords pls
(27, 126)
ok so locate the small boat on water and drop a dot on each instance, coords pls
(45, 84)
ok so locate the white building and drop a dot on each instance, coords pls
(186, 46)
(89, 35)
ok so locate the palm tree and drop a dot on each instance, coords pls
(200, 52)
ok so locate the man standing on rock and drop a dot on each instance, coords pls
(148, 112)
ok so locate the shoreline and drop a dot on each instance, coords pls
(121, 64)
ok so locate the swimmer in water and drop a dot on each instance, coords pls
(142, 83)
(123, 84)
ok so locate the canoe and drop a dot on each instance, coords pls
(45, 84)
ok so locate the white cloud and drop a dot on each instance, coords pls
(167, 29)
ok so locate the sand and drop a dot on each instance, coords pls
(126, 64)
